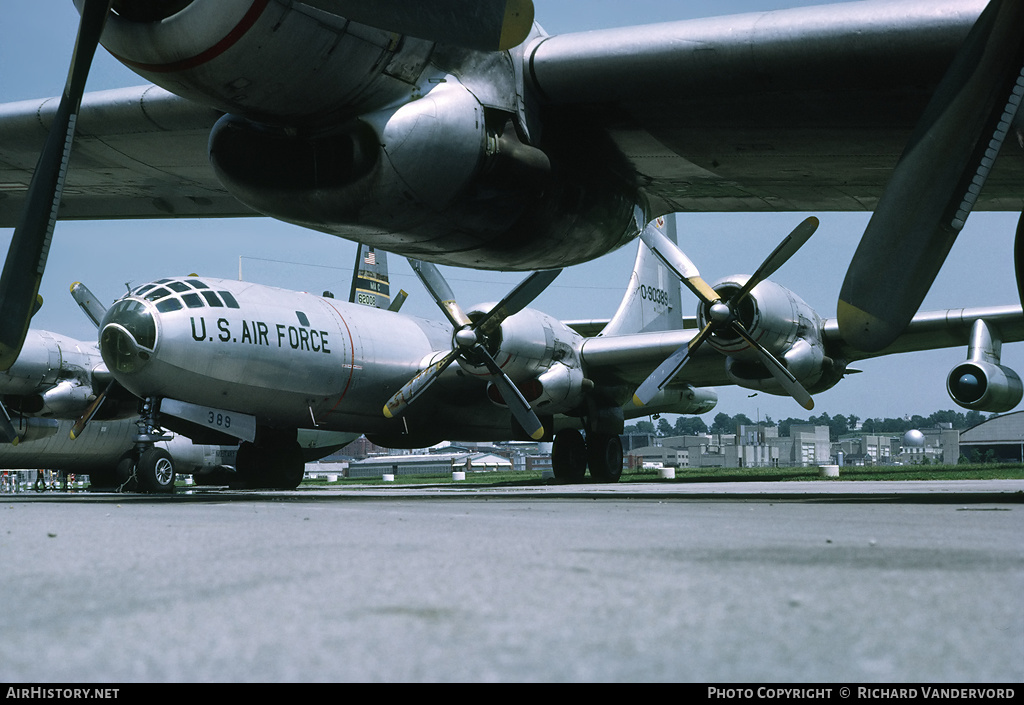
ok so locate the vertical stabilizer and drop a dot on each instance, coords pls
(370, 285)
(653, 300)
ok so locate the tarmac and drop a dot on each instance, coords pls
(795, 582)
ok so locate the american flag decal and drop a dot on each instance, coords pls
(371, 257)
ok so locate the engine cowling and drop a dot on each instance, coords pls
(983, 386)
(255, 57)
(784, 324)
(541, 356)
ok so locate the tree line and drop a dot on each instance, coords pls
(839, 425)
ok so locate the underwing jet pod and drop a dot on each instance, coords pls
(459, 132)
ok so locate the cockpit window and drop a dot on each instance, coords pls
(303, 321)
(157, 293)
(228, 299)
(196, 284)
(192, 300)
(211, 298)
(180, 287)
(168, 305)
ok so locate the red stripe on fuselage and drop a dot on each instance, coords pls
(352, 358)
(210, 54)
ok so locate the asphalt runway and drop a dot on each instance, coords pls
(792, 582)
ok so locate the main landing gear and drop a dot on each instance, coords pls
(572, 454)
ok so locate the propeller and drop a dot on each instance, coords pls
(486, 25)
(936, 182)
(722, 315)
(26, 257)
(469, 343)
(95, 311)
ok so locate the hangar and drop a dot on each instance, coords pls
(1000, 438)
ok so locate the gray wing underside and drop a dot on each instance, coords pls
(795, 110)
(139, 153)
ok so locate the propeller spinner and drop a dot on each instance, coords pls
(722, 315)
(469, 343)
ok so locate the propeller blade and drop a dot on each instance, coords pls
(85, 418)
(667, 370)
(486, 25)
(786, 249)
(514, 399)
(8, 434)
(30, 245)
(88, 303)
(936, 182)
(777, 369)
(412, 389)
(517, 299)
(680, 265)
(438, 288)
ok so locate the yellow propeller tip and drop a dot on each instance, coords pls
(387, 413)
(636, 400)
(538, 434)
(14, 442)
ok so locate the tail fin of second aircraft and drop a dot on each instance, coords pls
(653, 300)
(370, 285)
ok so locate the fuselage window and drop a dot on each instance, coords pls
(168, 305)
(192, 300)
(228, 299)
(303, 321)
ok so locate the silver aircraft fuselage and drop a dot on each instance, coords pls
(293, 359)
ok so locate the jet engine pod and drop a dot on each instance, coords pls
(983, 386)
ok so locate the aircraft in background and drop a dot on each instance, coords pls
(461, 133)
(258, 362)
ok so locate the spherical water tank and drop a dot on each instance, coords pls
(913, 439)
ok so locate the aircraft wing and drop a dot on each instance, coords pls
(930, 330)
(139, 153)
(627, 360)
(806, 109)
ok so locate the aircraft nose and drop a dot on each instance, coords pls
(127, 336)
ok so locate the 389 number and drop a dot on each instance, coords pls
(219, 420)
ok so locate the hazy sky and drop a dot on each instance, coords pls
(36, 38)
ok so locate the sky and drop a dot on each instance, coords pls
(36, 39)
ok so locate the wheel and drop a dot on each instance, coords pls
(155, 471)
(569, 456)
(604, 455)
(125, 477)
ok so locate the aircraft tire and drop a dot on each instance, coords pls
(155, 470)
(125, 475)
(569, 456)
(604, 455)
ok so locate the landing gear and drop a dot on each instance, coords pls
(604, 455)
(146, 468)
(274, 462)
(155, 471)
(571, 454)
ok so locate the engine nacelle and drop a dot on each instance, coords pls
(982, 383)
(256, 57)
(982, 386)
(782, 323)
(389, 169)
(541, 356)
